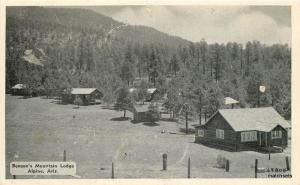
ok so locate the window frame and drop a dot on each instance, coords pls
(220, 134)
(276, 134)
(248, 136)
(200, 131)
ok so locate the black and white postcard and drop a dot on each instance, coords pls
(148, 91)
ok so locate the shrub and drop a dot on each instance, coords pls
(221, 161)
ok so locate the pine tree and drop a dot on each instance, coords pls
(204, 54)
(174, 63)
(124, 101)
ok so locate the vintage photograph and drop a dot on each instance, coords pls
(148, 91)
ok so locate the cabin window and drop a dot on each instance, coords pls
(219, 133)
(276, 134)
(248, 136)
(200, 133)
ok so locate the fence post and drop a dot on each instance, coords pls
(189, 168)
(112, 170)
(255, 168)
(164, 161)
(287, 163)
(227, 166)
(65, 156)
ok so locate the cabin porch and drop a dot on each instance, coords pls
(273, 141)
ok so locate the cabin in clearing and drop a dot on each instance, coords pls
(19, 90)
(151, 94)
(142, 113)
(82, 96)
(228, 101)
(258, 129)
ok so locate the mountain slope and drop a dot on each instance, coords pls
(144, 34)
(78, 44)
(72, 18)
(81, 19)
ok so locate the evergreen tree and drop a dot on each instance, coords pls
(127, 74)
(124, 101)
(174, 63)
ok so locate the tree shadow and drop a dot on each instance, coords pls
(59, 102)
(261, 150)
(190, 130)
(232, 149)
(215, 146)
(168, 119)
(24, 97)
(150, 124)
(135, 122)
(46, 98)
(120, 119)
(266, 150)
(108, 107)
(95, 103)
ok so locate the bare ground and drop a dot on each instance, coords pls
(39, 129)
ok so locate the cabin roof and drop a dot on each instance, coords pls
(19, 86)
(141, 108)
(131, 90)
(229, 100)
(83, 90)
(151, 90)
(261, 119)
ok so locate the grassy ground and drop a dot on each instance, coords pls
(39, 129)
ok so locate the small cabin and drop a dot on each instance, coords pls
(19, 90)
(141, 113)
(230, 102)
(82, 96)
(151, 94)
(258, 129)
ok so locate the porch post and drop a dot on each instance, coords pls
(269, 143)
(259, 137)
(269, 138)
(266, 138)
(236, 141)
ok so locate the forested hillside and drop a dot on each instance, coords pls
(81, 48)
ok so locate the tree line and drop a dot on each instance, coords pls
(195, 77)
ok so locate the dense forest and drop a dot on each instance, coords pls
(81, 48)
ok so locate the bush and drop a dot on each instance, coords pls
(221, 161)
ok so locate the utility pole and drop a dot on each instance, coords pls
(261, 89)
(186, 122)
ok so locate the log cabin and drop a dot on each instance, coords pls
(151, 94)
(141, 113)
(259, 129)
(19, 90)
(82, 96)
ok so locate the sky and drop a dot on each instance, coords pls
(267, 24)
